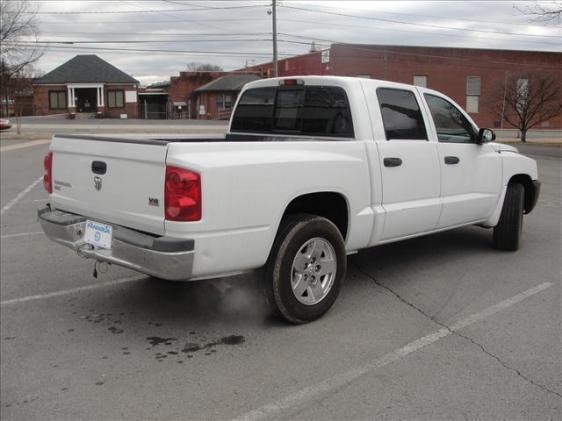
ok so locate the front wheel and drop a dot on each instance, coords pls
(507, 234)
(306, 268)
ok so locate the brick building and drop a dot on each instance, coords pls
(86, 84)
(193, 95)
(216, 98)
(466, 75)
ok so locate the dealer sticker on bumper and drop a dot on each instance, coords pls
(98, 235)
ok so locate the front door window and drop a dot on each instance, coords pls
(450, 123)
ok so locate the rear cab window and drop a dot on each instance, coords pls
(318, 111)
(401, 114)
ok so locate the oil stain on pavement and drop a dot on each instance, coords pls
(191, 347)
(165, 347)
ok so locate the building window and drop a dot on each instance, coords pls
(472, 103)
(472, 94)
(522, 93)
(325, 56)
(522, 87)
(115, 99)
(227, 102)
(401, 115)
(420, 80)
(57, 100)
(224, 102)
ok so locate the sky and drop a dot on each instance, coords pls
(232, 34)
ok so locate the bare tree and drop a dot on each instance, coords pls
(525, 100)
(203, 67)
(546, 12)
(18, 48)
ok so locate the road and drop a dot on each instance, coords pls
(441, 327)
(46, 127)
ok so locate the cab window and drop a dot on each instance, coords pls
(319, 111)
(401, 114)
(451, 125)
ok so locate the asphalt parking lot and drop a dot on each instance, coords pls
(441, 327)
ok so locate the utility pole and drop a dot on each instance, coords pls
(274, 21)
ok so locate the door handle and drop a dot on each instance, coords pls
(392, 162)
(99, 167)
(451, 160)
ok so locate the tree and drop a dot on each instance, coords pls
(203, 67)
(525, 100)
(543, 12)
(18, 37)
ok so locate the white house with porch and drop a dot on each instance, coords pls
(86, 84)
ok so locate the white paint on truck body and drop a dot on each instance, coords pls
(247, 185)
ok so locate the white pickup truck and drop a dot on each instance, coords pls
(311, 169)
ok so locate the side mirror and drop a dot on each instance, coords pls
(485, 136)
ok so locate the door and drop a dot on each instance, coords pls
(470, 173)
(409, 166)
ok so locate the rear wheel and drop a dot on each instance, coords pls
(306, 268)
(507, 234)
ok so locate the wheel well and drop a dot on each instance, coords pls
(527, 183)
(329, 205)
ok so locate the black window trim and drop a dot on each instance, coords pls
(413, 92)
(58, 92)
(115, 91)
(295, 133)
(473, 132)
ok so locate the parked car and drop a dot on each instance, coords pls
(5, 124)
(312, 169)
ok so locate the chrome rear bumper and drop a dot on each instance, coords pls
(162, 257)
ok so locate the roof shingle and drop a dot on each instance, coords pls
(86, 69)
(228, 83)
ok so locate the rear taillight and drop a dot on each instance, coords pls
(48, 172)
(182, 195)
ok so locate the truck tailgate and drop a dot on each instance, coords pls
(130, 192)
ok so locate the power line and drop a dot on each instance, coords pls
(159, 41)
(311, 37)
(112, 12)
(159, 51)
(195, 34)
(435, 17)
(111, 22)
(429, 25)
(420, 32)
(190, 20)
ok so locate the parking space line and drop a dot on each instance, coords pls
(311, 392)
(20, 196)
(71, 291)
(21, 234)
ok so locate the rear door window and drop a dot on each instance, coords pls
(401, 114)
(321, 111)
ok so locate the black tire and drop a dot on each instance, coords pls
(507, 233)
(295, 231)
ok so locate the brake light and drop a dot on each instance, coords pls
(291, 82)
(48, 172)
(182, 195)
